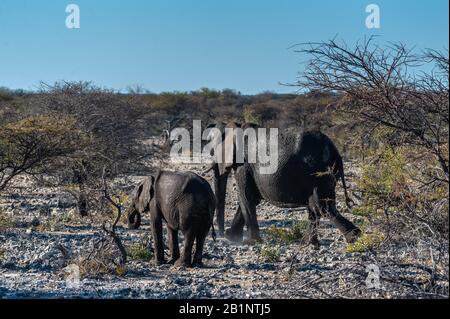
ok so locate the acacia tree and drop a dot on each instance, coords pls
(112, 126)
(387, 87)
(404, 95)
(29, 145)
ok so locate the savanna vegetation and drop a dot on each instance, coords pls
(386, 108)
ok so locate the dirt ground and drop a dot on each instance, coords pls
(33, 260)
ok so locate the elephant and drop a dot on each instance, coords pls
(309, 166)
(186, 202)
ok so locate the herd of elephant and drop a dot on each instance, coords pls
(186, 202)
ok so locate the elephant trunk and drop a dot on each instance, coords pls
(133, 218)
(220, 187)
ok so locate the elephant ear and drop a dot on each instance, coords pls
(228, 149)
(145, 194)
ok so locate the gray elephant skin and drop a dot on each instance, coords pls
(186, 202)
(309, 166)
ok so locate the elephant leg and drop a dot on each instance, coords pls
(157, 231)
(220, 186)
(248, 199)
(249, 213)
(186, 258)
(347, 228)
(173, 245)
(248, 208)
(311, 235)
(236, 232)
(82, 204)
(327, 204)
(199, 244)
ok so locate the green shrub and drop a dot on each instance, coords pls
(31, 144)
(364, 211)
(69, 217)
(270, 254)
(382, 177)
(139, 252)
(398, 189)
(209, 93)
(287, 236)
(6, 221)
(5, 94)
(365, 243)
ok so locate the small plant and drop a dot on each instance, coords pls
(381, 179)
(363, 211)
(121, 270)
(125, 200)
(139, 252)
(6, 221)
(298, 230)
(287, 236)
(52, 224)
(93, 267)
(103, 260)
(270, 254)
(365, 243)
(57, 222)
(69, 217)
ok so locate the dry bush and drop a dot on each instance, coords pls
(113, 130)
(31, 144)
(103, 259)
(5, 94)
(385, 88)
(139, 251)
(401, 115)
(393, 191)
(287, 235)
(270, 254)
(108, 255)
(6, 222)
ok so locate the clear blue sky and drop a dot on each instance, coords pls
(167, 45)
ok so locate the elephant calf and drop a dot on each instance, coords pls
(186, 202)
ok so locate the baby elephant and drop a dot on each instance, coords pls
(186, 202)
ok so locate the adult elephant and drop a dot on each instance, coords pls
(309, 166)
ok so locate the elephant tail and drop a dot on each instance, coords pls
(348, 200)
(212, 209)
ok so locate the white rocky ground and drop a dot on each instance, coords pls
(32, 261)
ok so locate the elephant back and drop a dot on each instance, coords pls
(315, 151)
(201, 190)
